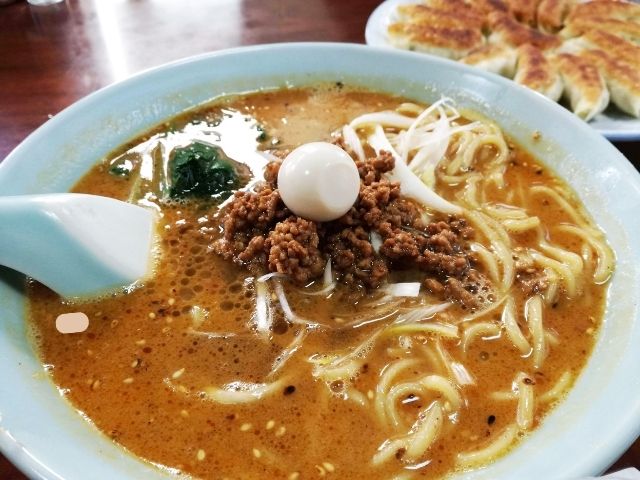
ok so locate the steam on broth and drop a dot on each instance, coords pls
(232, 364)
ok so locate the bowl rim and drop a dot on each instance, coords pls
(628, 425)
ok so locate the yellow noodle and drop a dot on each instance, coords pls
(401, 390)
(409, 108)
(498, 229)
(501, 247)
(573, 261)
(470, 192)
(418, 440)
(558, 390)
(605, 254)
(488, 259)
(551, 338)
(483, 329)
(433, 383)
(464, 140)
(356, 396)
(240, 392)
(512, 328)
(444, 356)
(526, 402)
(469, 153)
(440, 384)
(388, 450)
(426, 432)
(505, 212)
(562, 270)
(533, 314)
(503, 396)
(386, 377)
(491, 451)
(433, 359)
(442, 329)
(343, 371)
(587, 254)
(454, 179)
(551, 294)
(578, 218)
(519, 226)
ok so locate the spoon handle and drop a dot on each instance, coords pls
(75, 244)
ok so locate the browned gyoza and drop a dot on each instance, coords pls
(212, 370)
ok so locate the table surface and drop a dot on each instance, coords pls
(52, 56)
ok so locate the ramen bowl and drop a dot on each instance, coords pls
(45, 437)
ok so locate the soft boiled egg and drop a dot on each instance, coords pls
(319, 181)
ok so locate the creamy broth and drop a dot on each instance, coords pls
(140, 369)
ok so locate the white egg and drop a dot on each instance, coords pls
(319, 181)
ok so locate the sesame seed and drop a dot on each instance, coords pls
(184, 413)
(172, 301)
(270, 424)
(245, 427)
(321, 471)
(200, 455)
(95, 385)
(590, 331)
(135, 363)
(328, 467)
(294, 476)
(182, 389)
(128, 381)
(90, 352)
(140, 343)
(152, 315)
(281, 431)
(177, 373)
(370, 394)
(166, 329)
(257, 453)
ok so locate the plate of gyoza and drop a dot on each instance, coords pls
(584, 55)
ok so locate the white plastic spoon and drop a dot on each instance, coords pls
(76, 244)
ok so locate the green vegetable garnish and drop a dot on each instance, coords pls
(262, 133)
(200, 170)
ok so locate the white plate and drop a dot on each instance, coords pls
(613, 124)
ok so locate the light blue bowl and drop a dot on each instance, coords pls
(46, 438)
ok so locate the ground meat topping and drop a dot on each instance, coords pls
(353, 255)
(293, 249)
(372, 170)
(249, 216)
(259, 230)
